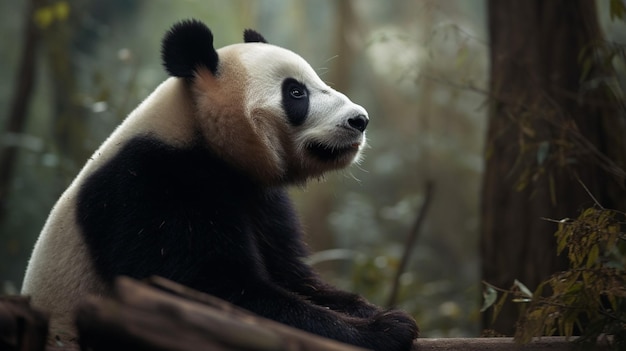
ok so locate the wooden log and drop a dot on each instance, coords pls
(546, 343)
(22, 328)
(185, 292)
(144, 317)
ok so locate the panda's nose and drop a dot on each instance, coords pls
(358, 122)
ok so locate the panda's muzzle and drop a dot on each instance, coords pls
(344, 143)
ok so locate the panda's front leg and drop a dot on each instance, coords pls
(389, 331)
(307, 283)
(278, 237)
(354, 305)
(285, 265)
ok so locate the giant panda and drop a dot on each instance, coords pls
(192, 187)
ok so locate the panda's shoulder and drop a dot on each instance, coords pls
(150, 163)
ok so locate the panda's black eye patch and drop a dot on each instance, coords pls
(295, 101)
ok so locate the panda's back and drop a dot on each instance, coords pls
(168, 204)
(61, 269)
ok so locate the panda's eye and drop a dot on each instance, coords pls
(295, 101)
(297, 92)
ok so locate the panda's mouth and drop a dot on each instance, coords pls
(327, 152)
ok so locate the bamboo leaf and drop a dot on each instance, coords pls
(586, 69)
(490, 295)
(562, 234)
(592, 256)
(62, 10)
(542, 151)
(43, 17)
(568, 326)
(523, 288)
(617, 9)
(46, 15)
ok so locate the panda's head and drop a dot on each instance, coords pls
(263, 108)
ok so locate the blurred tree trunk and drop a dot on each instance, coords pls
(553, 124)
(347, 23)
(18, 113)
(70, 114)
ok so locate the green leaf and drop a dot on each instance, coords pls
(587, 63)
(61, 10)
(543, 151)
(523, 288)
(617, 9)
(43, 17)
(568, 326)
(46, 15)
(592, 256)
(489, 297)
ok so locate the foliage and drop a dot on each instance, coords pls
(46, 15)
(617, 9)
(590, 297)
(601, 85)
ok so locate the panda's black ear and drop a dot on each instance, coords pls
(187, 46)
(252, 36)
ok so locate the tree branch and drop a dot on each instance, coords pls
(410, 243)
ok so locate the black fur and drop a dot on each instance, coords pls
(252, 36)
(187, 46)
(295, 101)
(186, 215)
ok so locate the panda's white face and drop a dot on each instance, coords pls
(307, 127)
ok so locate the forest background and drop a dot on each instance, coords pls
(420, 68)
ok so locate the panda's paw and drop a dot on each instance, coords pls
(364, 309)
(357, 307)
(392, 330)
